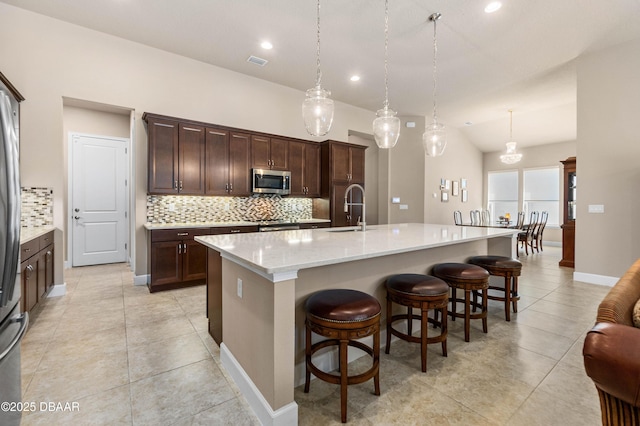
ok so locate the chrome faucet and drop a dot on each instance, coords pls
(362, 224)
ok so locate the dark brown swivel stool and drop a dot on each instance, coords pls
(510, 269)
(343, 316)
(468, 278)
(422, 292)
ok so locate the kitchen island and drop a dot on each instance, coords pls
(264, 279)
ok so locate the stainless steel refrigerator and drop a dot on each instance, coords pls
(13, 323)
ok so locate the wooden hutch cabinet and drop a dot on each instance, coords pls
(569, 224)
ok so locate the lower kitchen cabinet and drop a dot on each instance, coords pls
(36, 270)
(177, 260)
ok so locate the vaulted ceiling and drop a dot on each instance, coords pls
(521, 57)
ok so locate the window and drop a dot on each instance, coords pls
(503, 194)
(542, 192)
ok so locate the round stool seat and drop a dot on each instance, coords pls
(469, 278)
(343, 316)
(510, 269)
(417, 285)
(460, 272)
(422, 292)
(342, 305)
(497, 264)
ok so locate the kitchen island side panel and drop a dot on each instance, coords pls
(258, 329)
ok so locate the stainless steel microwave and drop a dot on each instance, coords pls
(271, 182)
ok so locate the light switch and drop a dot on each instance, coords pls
(404, 207)
(239, 288)
(395, 200)
(596, 208)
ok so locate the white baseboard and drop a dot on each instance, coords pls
(58, 290)
(141, 279)
(595, 279)
(285, 416)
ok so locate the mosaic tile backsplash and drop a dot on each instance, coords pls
(37, 207)
(194, 209)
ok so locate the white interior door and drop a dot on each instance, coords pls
(99, 200)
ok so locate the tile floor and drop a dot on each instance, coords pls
(133, 358)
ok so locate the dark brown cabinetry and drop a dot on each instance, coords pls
(269, 153)
(176, 157)
(342, 165)
(569, 218)
(36, 270)
(305, 167)
(227, 163)
(177, 260)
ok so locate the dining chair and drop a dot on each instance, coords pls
(475, 217)
(537, 235)
(520, 222)
(525, 238)
(457, 217)
(486, 218)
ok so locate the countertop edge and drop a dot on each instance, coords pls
(159, 226)
(30, 234)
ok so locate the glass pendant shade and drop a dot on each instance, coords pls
(317, 111)
(511, 157)
(434, 139)
(386, 128)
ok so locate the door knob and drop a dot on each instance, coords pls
(76, 210)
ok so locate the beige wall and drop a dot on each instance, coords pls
(460, 160)
(608, 160)
(48, 60)
(533, 157)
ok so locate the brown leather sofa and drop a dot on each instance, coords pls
(612, 352)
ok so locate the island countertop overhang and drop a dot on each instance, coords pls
(280, 255)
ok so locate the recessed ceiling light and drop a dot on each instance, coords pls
(493, 6)
(266, 45)
(355, 78)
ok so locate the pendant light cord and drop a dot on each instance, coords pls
(510, 125)
(318, 72)
(435, 18)
(386, 55)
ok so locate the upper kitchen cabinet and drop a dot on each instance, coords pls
(176, 156)
(343, 162)
(227, 162)
(304, 164)
(269, 153)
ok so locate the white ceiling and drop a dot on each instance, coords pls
(521, 57)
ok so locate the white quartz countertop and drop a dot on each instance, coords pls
(177, 225)
(270, 253)
(28, 234)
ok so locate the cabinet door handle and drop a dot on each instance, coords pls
(179, 248)
(235, 231)
(230, 187)
(184, 248)
(49, 254)
(27, 250)
(183, 234)
(180, 185)
(192, 129)
(175, 184)
(226, 187)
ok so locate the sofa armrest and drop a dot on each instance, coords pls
(611, 358)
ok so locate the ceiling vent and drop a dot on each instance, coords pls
(257, 61)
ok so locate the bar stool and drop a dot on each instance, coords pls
(468, 278)
(510, 269)
(343, 316)
(422, 292)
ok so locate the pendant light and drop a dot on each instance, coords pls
(386, 126)
(434, 138)
(511, 157)
(317, 108)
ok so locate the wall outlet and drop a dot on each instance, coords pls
(395, 200)
(239, 288)
(404, 207)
